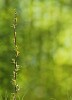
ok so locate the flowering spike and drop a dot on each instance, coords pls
(14, 61)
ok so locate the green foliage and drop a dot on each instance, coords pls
(44, 38)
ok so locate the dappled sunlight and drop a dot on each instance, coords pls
(44, 37)
(63, 78)
(64, 53)
(61, 56)
(43, 14)
(65, 38)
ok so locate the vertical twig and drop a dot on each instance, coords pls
(16, 68)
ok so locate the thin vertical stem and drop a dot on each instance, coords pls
(15, 43)
(15, 59)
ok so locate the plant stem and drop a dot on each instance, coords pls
(15, 59)
(15, 43)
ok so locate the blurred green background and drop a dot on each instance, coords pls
(44, 38)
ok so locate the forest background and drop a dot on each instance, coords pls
(44, 38)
